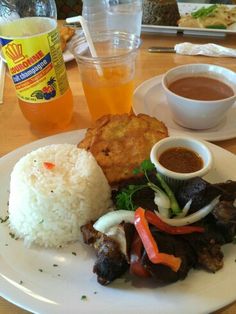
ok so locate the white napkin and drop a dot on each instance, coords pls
(211, 50)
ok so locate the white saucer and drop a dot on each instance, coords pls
(149, 98)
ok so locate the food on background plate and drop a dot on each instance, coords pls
(216, 16)
(120, 143)
(53, 191)
(66, 34)
(160, 12)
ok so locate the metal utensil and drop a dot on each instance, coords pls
(161, 49)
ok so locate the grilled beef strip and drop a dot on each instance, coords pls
(199, 191)
(225, 210)
(111, 262)
(196, 250)
(207, 247)
(173, 245)
(228, 189)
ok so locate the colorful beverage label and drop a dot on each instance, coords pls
(36, 63)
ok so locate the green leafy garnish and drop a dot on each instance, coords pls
(124, 199)
(2, 220)
(203, 12)
(145, 167)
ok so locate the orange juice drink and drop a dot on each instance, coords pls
(31, 47)
(108, 80)
(110, 93)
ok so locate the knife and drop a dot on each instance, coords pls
(161, 49)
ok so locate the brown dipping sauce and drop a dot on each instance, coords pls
(201, 88)
(180, 159)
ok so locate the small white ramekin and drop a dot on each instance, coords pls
(175, 179)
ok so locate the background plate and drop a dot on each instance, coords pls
(188, 8)
(59, 289)
(149, 98)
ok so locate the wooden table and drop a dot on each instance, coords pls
(15, 130)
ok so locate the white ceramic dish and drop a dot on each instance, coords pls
(197, 146)
(188, 8)
(59, 289)
(199, 114)
(149, 98)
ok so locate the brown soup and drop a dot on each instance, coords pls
(201, 88)
(180, 159)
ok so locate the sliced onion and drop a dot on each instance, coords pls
(165, 212)
(200, 214)
(118, 234)
(162, 200)
(185, 209)
(111, 219)
(163, 203)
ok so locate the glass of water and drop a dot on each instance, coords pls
(125, 16)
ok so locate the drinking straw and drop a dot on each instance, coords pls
(81, 20)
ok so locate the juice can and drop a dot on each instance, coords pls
(31, 47)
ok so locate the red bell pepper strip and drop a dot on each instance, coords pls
(48, 165)
(150, 244)
(136, 267)
(154, 220)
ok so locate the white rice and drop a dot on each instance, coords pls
(48, 206)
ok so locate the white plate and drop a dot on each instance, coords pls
(22, 283)
(67, 56)
(185, 8)
(149, 98)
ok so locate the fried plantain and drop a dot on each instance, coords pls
(121, 142)
(66, 34)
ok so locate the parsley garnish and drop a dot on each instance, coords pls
(124, 199)
(84, 297)
(3, 219)
(13, 236)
